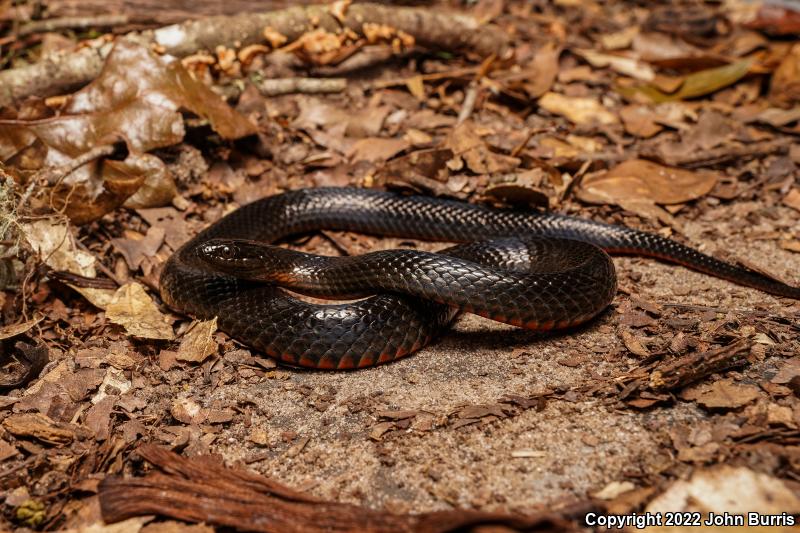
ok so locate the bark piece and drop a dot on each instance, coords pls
(201, 489)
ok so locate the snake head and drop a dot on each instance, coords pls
(238, 257)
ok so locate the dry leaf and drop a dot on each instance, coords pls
(785, 86)
(645, 180)
(576, 109)
(198, 342)
(614, 489)
(697, 84)
(54, 244)
(722, 394)
(133, 309)
(376, 149)
(638, 120)
(12, 330)
(543, 70)
(792, 199)
(624, 65)
(727, 489)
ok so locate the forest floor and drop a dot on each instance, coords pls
(680, 119)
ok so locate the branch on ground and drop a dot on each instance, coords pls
(430, 28)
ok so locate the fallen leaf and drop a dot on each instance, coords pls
(376, 149)
(785, 86)
(792, 199)
(134, 247)
(722, 394)
(634, 343)
(7, 451)
(624, 65)
(727, 489)
(580, 110)
(114, 383)
(134, 310)
(12, 330)
(543, 70)
(136, 99)
(640, 179)
(694, 85)
(198, 342)
(187, 411)
(638, 120)
(54, 243)
(614, 489)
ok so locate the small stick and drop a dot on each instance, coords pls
(693, 367)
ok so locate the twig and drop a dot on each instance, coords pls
(54, 175)
(278, 86)
(367, 57)
(693, 367)
(70, 23)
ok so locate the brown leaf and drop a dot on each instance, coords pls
(792, 199)
(628, 66)
(727, 489)
(634, 343)
(7, 451)
(376, 149)
(135, 246)
(638, 120)
(198, 342)
(723, 393)
(133, 309)
(785, 86)
(466, 144)
(637, 185)
(136, 99)
(98, 418)
(543, 70)
(187, 411)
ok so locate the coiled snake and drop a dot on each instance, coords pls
(535, 270)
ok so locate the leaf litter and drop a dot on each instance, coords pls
(650, 118)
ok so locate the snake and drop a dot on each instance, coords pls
(538, 270)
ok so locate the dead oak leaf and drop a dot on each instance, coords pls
(134, 247)
(134, 310)
(376, 149)
(198, 342)
(722, 394)
(638, 185)
(468, 146)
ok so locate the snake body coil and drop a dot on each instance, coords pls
(539, 271)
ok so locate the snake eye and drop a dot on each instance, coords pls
(226, 252)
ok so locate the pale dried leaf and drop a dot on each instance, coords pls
(133, 309)
(580, 110)
(198, 343)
